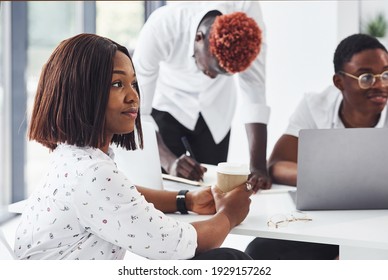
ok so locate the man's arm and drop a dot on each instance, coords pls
(283, 161)
(257, 140)
(255, 112)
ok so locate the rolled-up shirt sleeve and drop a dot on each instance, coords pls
(109, 206)
(300, 119)
(252, 81)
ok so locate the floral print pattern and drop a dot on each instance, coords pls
(85, 208)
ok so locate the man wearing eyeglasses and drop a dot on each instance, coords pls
(357, 99)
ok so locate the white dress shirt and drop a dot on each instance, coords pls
(170, 81)
(321, 110)
(87, 209)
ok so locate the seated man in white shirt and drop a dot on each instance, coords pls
(359, 99)
(185, 57)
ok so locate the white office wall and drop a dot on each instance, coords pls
(371, 8)
(301, 36)
(301, 39)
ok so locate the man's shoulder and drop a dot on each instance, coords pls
(321, 106)
(170, 20)
(173, 11)
(326, 98)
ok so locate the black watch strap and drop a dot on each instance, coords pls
(181, 201)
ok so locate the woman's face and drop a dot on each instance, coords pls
(123, 103)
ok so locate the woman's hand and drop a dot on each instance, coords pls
(232, 208)
(201, 202)
(233, 204)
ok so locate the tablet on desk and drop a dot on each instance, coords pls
(185, 181)
(209, 178)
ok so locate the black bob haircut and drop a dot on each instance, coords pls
(73, 93)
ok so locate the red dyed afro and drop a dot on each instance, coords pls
(235, 40)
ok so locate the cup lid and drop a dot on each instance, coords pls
(233, 168)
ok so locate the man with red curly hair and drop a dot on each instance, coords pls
(191, 60)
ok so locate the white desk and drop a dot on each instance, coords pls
(361, 234)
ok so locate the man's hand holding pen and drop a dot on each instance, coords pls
(186, 166)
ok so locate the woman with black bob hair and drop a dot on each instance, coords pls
(84, 207)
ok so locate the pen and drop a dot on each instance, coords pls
(187, 147)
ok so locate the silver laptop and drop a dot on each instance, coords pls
(342, 169)
(142, 167)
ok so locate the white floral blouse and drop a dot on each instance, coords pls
(85, 208)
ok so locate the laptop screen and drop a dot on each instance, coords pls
(342, 169)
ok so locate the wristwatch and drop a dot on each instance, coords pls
(181, 201)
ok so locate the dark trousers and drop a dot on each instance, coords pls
(274, 249)
(222, 254)
(204, 148)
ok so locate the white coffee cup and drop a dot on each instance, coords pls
(231, 175)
